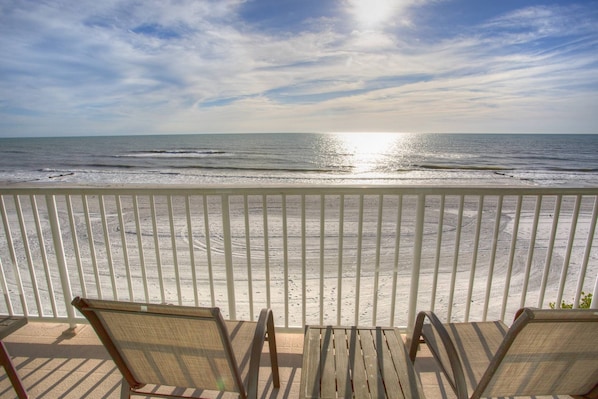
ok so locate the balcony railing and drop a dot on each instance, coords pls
(315, 255)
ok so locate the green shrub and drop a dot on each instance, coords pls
(584, 302)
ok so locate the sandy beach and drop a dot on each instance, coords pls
(143, 248)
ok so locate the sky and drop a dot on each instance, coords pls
(112, 67)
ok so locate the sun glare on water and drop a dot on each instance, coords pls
(368, 151)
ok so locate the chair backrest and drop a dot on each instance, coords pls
(545, 352)
(177, 346)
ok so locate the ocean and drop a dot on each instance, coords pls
(310, 158)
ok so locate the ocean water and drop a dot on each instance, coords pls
(348, 158)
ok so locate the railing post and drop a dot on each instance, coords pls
(60, 258)
(228, 257)
(417, 254)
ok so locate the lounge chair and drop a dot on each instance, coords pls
(183, 348)
(544, 352)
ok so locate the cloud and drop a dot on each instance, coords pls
(186, 66)
(542, 21)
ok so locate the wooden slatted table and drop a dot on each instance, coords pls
(351, 362)
(8, 325)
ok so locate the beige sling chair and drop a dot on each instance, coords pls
(544, 352)
(180, 347)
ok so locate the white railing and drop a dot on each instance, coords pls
(315, 255)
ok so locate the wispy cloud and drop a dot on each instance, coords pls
(186, 66)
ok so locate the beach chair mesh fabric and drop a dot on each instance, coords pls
(171, 354)
(173, 345)
(549, 358)
(476, 344)
(545, 352)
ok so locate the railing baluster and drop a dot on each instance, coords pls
(492, 256)
(206, 216)
(474, 256)
(455, 257)
(322, 250)
(586, 255)
(157, 248)
(377, 261)
(530, 254)
(25, 238)
(5, 291)
(108, 247)
(266, 248)
(438, 250)
(594, 304)
(285, 264)
(76, 249)
(61, 259)
(303, 264)
(570, 240)
(248, 256)
(140, 248)
(92, 250)
(358, 266)
(13, 257)
(418, 238)
(339, 277)
(42, 248)
(553, 231)
(123, 240)
(395, 273)
(192, 250)
(511, 258)
(228, 257)
(175, 257)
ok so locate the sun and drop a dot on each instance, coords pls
(370, 13)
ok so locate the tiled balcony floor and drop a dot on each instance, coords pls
(55, 365)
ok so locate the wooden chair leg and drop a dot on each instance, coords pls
(125, 390)
(12, 372)
(273, 352)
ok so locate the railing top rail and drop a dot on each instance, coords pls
(139, 189)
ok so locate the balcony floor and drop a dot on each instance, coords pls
(56, 365)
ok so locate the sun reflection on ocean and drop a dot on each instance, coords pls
(371, 152)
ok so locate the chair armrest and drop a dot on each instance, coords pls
(458, 381)
(264, 328)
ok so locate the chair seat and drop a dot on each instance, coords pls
(241, 335)
(476, 345)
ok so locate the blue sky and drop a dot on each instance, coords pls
(145, 67)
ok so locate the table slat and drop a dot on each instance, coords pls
(360, 383)
(328, 371)
(406, 371)
(343, 375)
(310, 372)
(370, 358)
(387, 364)
(351, 362)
